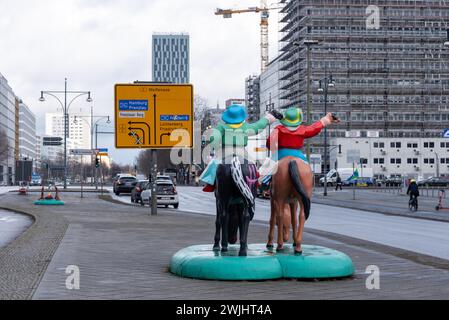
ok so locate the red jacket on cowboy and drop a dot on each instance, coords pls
(294, 139)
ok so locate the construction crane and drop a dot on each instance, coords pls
(264, 17)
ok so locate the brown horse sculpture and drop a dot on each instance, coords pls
(291, 186)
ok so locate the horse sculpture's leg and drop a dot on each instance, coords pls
(287, 222)
(306, 178)
(217, 227)
(243, 231)
(225, 229)
(272, 225)
(294, 220)
(302, 221)
(282, 209)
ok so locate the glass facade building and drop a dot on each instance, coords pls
(27, 133)
(8, 126)
(387, 58)
(171, 58)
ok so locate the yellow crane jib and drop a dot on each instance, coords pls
(264, 16)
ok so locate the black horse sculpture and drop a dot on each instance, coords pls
(235, 207)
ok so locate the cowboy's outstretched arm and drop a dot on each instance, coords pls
(256, 127)
(316, 128)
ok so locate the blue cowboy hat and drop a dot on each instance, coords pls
(235, 114)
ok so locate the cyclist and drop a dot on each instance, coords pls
(413, 190)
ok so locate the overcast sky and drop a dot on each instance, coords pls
(98, 43)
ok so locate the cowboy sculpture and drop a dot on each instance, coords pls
(233, 177)
(292, 177)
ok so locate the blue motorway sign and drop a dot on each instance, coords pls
(133, 105)
(175, 118)
(446, 133)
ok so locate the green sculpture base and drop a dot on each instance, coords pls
(49, 203)
(201, 262)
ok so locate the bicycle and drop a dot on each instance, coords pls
(413, 203)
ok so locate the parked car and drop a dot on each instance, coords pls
(139, 186)
(164, 178)
(124, 184)
(360, 182)
(393, 182)
(434, 182)
(166, 194)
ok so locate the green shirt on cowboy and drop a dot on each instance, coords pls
(237, 135)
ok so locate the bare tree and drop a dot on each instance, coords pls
(4, 145)
(144, 162)
(200, 107)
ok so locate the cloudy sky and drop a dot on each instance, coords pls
(98, 43)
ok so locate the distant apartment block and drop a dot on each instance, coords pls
(231, 102)
(79, 130)
(252, 97)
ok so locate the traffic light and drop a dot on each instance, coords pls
(97, 163)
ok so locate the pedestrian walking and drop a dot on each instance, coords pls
(339, 183)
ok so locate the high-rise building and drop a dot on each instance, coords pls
(252, 97)
(79, 130)
(171, 58)
(8, 127)
(269, 87)
(38, 151)
(27, 133)
(387, 59)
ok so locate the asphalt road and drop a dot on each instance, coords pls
(422, 236)
(11, 226)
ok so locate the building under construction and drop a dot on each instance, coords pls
(387, 58)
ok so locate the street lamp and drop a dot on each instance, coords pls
(93, 127)
(65, 108)
(324, 85)
(446, 44)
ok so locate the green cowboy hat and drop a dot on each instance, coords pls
(292, 117)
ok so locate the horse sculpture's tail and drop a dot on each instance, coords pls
(296, 180)
(237, 176)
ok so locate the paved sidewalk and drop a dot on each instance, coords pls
(392, 203)
(124, 253)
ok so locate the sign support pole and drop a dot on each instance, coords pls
(154, 184)
(355, 185)
(82, 176)
(101, 175)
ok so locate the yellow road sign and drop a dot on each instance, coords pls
(153, 116)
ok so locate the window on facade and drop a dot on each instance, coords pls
(379, 160)
(429, 144)
(395, 145)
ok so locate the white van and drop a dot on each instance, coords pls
(345, 174)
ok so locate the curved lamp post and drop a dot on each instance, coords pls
(325, 83)
(93, 127)
(65, 108)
